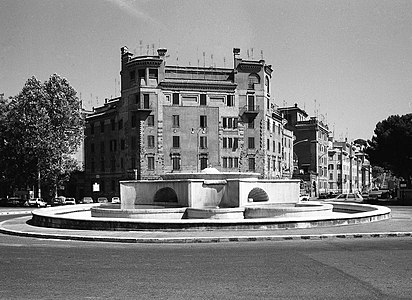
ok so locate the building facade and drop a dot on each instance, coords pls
(184, 119)
(310, 149)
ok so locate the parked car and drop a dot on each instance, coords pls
(58, 201)
(102, 200)
(304, 198)
(38, 202)
(115, 200)
(349, 197)
(15, 201)
(69, 201)
(86, 200)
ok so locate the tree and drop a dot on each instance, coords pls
(44, 126)
(391, 145)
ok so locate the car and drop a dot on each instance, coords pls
(69, 201)
(15, 201)
(349, 197)
(86, 200)
(38, 202)
(115, 200)
(304, 198)
(102, 200)
(58, 201)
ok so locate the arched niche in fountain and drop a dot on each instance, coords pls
(258, 195)
(165, 194)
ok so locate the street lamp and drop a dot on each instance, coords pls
(198, 131)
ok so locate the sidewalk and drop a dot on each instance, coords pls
(400, 225)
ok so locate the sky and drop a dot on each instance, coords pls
(347, 62)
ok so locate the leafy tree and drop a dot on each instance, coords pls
(44, 126)
(391, 145)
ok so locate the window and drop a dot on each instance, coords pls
(101, 126)
(268, 144)
(251, 143)
(230, 123)
(113, 124)
(176, 141)
(331, 176)
(121, 163)
(137, 99)
(274, 146)
(132, 76)
(236, 162)
(203, 142)
(230, 100)
(150, 163)
(268, 125)
(133, 121)
(224, 162)
(251, 164)
(102, 164)
(112, 146)
(176, 121)
(224, 142)
(133, 162)
(91, 128)
(175, 99)
(235, 143)
(122, 144)
(92, 148)
(251, 102)
(202, 99)
(141, 73)
(203, 121)
(133, 143)
(203, 162)
(150, 120)
(102, 147)
(112, 165)
(230, 162)
(252, 80)
(251, 124)
(176, 162)
(153, 73)
(150, 141)
(120, 124)
(146, 101)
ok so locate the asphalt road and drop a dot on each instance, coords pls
(332, 269)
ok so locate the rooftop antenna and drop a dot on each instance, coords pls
(197, 56)
(204, 61)
(211, 57)
(251, 50)
(115, 87)
(247, 53)
(261, 54)
(147, 51)
(224, 62)
(141, 46)
(153, 52)
(177, 57)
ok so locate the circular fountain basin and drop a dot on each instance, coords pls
(79, 217)
(215, 213)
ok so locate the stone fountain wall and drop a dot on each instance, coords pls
(213, 190)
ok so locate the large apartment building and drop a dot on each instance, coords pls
(184, 119)
(310, 149)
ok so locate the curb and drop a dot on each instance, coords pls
(187, 240)
(23, 212)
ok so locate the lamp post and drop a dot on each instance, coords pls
(197, 131)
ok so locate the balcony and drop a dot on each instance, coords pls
(248, 113)
(142, 110)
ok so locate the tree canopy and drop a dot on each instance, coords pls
(42, 126)
(391, 145)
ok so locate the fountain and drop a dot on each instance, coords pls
(208, 200)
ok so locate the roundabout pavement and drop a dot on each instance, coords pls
(399, 225)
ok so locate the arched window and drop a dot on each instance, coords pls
(252, 80)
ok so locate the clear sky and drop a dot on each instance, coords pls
(349, 62)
